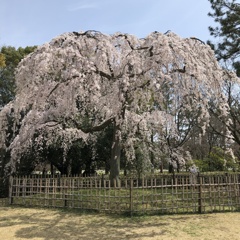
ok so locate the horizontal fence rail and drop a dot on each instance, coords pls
(186, 193)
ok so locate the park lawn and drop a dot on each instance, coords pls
(17, 223)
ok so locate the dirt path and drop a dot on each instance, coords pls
(45, 224)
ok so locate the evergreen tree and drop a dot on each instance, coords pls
(2, 60)
(9, 60)
(227, 14)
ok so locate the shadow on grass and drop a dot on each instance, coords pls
(73, 224)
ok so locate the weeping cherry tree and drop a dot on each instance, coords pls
(80, 83)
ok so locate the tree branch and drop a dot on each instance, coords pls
(96, 128)
(99, 127)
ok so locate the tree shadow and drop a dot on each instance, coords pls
(72, 225)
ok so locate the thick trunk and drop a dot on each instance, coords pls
(161, 167)
(170, 168)
(115, 158)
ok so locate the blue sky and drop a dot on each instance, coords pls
(34, 22)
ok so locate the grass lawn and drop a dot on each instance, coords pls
(18, 223)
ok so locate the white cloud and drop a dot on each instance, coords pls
(82, 6)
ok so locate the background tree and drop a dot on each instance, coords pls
(2, 61)
(227, 14)
(181, 121)
(217, 160)
(9, 59)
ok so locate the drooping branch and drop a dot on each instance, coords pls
(99, 127)
(95, 128)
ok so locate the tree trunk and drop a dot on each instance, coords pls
(170, 168)
(115, 158)
(161, 167)
(152, 155)
(107, 166)
(52, 172)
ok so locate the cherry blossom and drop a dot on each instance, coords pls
(80, 83)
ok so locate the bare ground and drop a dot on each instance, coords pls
(47, 224)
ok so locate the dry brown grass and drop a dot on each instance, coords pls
(47, 224)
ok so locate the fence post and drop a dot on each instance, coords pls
(10, 190)
(65, 200)
(199, 193)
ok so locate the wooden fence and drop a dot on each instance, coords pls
(162, 194)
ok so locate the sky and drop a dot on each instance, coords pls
(35, 22)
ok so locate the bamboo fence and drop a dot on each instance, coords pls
(186, 193)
